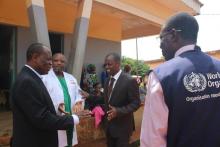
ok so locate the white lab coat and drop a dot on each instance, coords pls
(56, 93)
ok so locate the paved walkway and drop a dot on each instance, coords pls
(6, 130)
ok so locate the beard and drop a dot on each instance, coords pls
(58, 69)
(168, 54)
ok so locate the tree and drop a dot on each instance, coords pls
(137, 67)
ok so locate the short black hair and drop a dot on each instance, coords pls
(127, 68)
(58, 53)
(34, 48)
(187, 25)
(116, 57)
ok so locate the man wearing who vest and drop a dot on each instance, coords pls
(182, 107)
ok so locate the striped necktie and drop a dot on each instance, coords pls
(110, 86)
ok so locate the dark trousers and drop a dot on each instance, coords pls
(121, 141)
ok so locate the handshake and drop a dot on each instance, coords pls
(77, 110)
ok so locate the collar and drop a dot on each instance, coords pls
(116, 76)
(184, 49)
(56, 74)
(40, 76)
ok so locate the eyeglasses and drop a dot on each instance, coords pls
(161, 36)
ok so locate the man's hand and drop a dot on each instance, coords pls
(83, 113)
(61, 108)
(112, 113)
(77, 107)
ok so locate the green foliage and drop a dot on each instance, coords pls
(137, 68)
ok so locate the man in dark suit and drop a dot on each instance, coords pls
(35, 122)
(121, 100)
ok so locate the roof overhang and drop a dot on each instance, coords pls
(113, 20)
(141, 17)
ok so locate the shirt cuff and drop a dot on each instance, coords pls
(75, 119)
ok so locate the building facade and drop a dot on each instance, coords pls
(84, 30)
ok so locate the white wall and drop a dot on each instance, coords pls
(23, 42)
(96, 50)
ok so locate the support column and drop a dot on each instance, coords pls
(80, 33)
(38, 21)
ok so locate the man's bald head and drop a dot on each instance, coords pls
(180, 30)
(39, 57)
(186, 24)
(35, 48)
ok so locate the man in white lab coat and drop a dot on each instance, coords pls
(65, 94)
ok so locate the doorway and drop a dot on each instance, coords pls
(56, 42)
(8, 63)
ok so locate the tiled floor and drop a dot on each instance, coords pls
(6, 129)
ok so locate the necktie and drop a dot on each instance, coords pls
(110, 86)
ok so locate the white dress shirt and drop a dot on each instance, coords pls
(40, 76)
(116, 76)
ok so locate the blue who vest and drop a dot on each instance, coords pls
(191, 87)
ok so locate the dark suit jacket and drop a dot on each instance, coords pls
(125, 97)
(35, 122)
